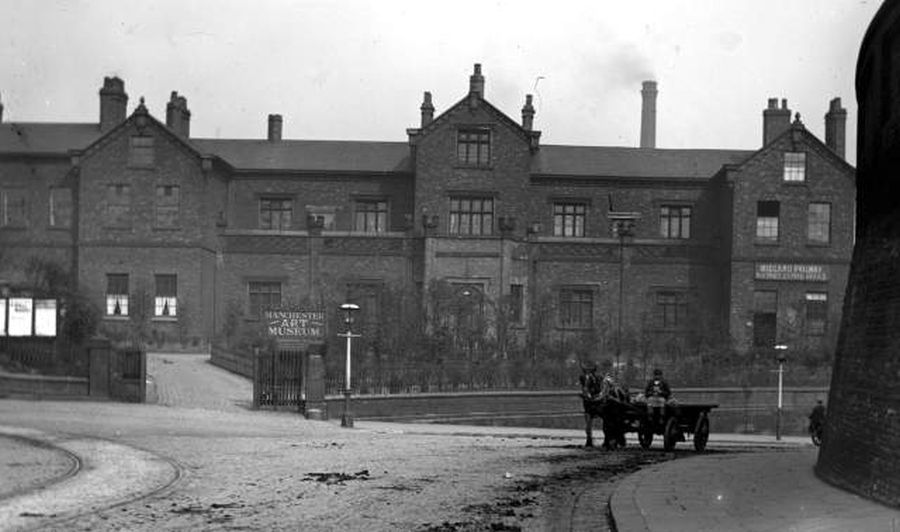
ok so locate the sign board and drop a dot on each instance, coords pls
(45, 317)
(774, 271)
(20, 310)
(295, 324)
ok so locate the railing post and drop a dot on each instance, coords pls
(256, 378)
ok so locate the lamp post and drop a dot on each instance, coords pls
(782, 358)
(348, 309)
(622, 227)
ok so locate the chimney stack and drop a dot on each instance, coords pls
(476, 82)
(1, 111)
(648, 114)
(178, 118)
(775, 121)
(427, 109)
(274, 128)
(113, 103)
(835, 127)
(528, 114)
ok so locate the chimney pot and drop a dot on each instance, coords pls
(113, 103)
(427, 109)
(836, 127)
(775, 121)
(648, 114)
(275, 123)
(476, 82)
(1, 111)
(528, 113)
(178, 117)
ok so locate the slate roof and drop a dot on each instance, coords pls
(603, 161)
(309, 155)
(388, 157)
(46, 137)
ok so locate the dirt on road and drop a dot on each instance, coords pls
(245, 470)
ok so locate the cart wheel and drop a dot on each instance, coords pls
(671, 434)
(645, 435)
(701, 433)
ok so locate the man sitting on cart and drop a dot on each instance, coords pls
(657, 393)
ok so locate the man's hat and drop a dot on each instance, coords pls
(657, 371)
(589, 365)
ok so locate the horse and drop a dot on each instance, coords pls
(603, 399)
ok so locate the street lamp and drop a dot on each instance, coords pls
(348, 309)
(781, 357)
(623, 227)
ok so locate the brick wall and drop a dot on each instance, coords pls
(34, 176)
(861, 450)
(338, 192)
(761, 179)
(142, 248)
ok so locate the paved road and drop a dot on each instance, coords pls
(190, 381)
(237, 468)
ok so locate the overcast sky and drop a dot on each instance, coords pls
(356, 70)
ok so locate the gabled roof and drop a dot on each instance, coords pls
(309, 155)
(497, 114)
(42, 138)
(604, 161)
(821, 147)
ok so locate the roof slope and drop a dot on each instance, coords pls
(46, 137)
(309, 155)
(603, 161)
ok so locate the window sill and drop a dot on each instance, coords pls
(117, 318)
(794, 183)
(818, 244)
(166, 319)
(461, 166)
(768, 243)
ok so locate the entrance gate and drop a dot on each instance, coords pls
(278, 378)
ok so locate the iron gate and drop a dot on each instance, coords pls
(278, 379)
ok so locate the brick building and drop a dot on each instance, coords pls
(861, 448)
(635, 248)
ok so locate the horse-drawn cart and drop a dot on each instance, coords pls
(673, 421)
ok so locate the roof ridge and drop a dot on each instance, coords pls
(636, 148)
(275, 143)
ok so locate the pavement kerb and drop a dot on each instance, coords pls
(111, 473)
(626, 513)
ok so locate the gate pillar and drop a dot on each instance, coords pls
(314, 384)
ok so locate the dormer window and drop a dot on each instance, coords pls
(473, 147)
(794, 167)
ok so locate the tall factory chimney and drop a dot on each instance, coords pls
(648, 114)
